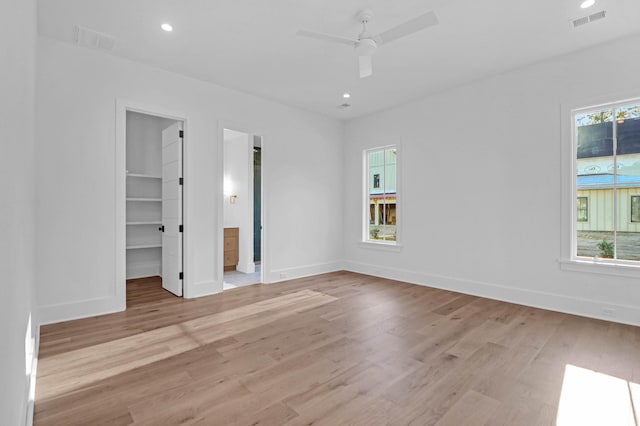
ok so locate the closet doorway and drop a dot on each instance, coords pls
(154, 207)
(243, 209)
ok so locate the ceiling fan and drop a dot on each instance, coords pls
(366, 43)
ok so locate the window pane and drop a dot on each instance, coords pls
(382, 195)
(628, 182)
(594, 183)
(390, 194)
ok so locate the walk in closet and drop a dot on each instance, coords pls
(153, 198)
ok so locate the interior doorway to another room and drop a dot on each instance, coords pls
(242, 211)
(154, 204)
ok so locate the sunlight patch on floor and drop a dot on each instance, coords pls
(592, 398)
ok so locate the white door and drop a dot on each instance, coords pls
(172, 209)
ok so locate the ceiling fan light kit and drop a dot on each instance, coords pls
(366, 44)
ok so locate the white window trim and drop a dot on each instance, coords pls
(568, 260)
(393, 246)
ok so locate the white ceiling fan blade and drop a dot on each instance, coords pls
(366, 68)
(327, 37)
(421, 22)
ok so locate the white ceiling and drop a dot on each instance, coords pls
(251, 45)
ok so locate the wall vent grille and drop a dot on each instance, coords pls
(590, 18)
(90, 38)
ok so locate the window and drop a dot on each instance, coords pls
(381, 186)
(607, 173)
(583, 209)
(635, 208)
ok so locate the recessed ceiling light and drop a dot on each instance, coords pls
(346, 95)
(167, 27)
(587, 3)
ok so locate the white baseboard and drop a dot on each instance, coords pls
(286, 274)
(50, 314)
(551, 301)
(202, 288)
(32, 380)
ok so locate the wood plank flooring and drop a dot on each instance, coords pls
(340, 348)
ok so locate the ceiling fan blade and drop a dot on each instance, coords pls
(366, 68)
(327, 37)
(421, 22)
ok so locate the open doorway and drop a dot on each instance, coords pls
(154, 207)
(242, 211)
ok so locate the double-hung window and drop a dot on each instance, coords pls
(380, 210)
(607, 182)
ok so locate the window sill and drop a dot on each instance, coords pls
(600, 266)
(397, 248)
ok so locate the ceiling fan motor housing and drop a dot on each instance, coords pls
(366, 47)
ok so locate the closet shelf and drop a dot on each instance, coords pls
(143, 246)
(140, 175)
(143, 199)
(145, 222)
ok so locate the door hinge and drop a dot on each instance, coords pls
(181, 134)
(161, 229)
(181, 228)
(180, 276)
(180, 181)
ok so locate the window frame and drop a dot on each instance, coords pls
(365, 241)
(569, 261)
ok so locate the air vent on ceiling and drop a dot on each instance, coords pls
(590, 18)
(90, 38)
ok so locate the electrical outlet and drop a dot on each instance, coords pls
(608, 312)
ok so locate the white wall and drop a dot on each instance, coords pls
(17, 208)
(77, 91)
(237, 160)
(144, 143)
(482, 185)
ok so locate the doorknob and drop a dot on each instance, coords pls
(161, 229)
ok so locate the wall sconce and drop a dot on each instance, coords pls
(232, 199)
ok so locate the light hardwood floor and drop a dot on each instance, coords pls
(340, 348)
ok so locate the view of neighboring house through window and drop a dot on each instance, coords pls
(380, 208)
(583, 209)
(607, 141)
(376, 180)
(635, 208)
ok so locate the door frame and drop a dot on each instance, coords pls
(264, 257)
(120, 163)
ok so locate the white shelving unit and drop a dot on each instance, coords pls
(143, 199)
(144, 217)
(144, 246)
